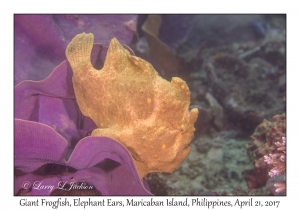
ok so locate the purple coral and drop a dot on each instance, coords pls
(264, 141)
(40, 40)
(37, 145)
(278, 160)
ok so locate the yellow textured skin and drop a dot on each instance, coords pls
(131, 103)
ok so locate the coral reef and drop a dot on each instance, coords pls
(131, 103)
(278, 172)
(263, 143)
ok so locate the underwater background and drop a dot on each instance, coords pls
(235, 67)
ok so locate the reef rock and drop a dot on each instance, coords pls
(131, 103)
(262, 143)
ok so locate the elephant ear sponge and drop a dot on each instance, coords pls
(132, 104)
